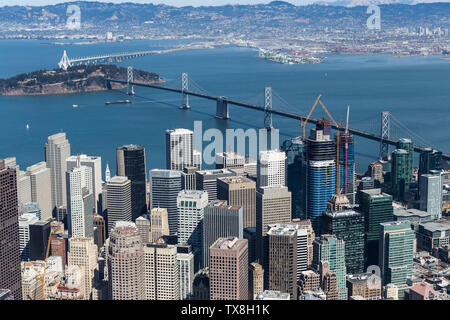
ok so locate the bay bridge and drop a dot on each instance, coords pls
(67, 62)
(223, 112)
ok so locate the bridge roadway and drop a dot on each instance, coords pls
(356, 132)
(126, 55)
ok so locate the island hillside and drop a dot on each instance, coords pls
(75, 79)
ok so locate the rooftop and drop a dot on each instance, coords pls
(230, 243)
(435, 226)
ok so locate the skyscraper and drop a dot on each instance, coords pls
(143, 226)
(331, 249)
(188, 179)
(306, 224)
(23, 187)
(396, 251)
(282, 265)
(10, 273)
(185, 259)
(348, 225)
(130, 161)
(159, 223)
(207, 180)
(320, 171)
(161, 274)
(80, 201)
(41, 188)
(239, 191)
(164, 188)
(400, 176)
(25, 220)
(83, 253)
(229, 269)
(229, 160)
(408, 146)
(295, 175)
(271, 169)
(118, 200)
(273, 205)
(57, 150)
(191, 205)
(303, 237)
(95, 163)
(430, 159)
(125, 257)
(377, 208)
(99, 225)
(39, 234)
(431, 193)
(256, 280)
(179, 149)
(376, 171)
(220, 221)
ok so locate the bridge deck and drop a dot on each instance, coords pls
(299, 117)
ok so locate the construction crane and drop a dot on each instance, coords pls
(303, 125)
(346, 151)
(42, 276)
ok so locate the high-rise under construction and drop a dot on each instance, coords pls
(320, 172)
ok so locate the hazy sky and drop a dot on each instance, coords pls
(175, 2)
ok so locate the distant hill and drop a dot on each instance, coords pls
(125, 17)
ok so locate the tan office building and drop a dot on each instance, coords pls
(239, 191)
(229, 269)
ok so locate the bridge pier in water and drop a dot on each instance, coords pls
(222, 111)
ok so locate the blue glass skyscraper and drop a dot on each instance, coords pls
(320, 167)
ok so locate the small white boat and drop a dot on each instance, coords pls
(74, 106)
(28, 126)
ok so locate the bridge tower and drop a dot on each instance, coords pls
(130, 78)
(385, 131)
(222, 111)
(184, 89)
(64, 63)
(268, 108)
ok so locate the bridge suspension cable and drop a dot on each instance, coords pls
(411, 133)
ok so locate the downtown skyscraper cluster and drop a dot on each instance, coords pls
(296, 223)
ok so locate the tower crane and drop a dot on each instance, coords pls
(346, 151)
(303, 125)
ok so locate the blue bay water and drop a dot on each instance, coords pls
(414, 89)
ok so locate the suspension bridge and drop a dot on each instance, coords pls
(67, 62)
(385, 137)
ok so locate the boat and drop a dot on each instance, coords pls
(28, 126)
(74, 106)
(117, 102)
